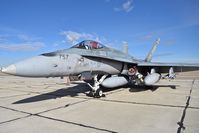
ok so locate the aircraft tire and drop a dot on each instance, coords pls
(99, 93)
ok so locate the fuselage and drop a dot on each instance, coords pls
(73, 61)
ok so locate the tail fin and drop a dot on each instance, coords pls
(125, 47)
(153, 49)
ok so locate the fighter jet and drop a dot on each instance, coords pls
(108, 67)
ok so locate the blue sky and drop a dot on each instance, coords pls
(31, 27)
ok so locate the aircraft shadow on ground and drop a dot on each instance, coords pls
(68, 91)
(83, 88)
(135, 88)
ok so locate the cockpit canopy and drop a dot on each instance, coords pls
(89, 44)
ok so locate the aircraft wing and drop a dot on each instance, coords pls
(125, 60)
(167, 64)
(164, 67)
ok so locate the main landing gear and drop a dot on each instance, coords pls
(96, 91)
(171, 74)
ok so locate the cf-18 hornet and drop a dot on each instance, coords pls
(108, 67)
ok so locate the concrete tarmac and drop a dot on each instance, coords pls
(29, 105)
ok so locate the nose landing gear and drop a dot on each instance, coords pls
(96, 91)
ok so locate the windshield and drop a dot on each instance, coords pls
(89, 44)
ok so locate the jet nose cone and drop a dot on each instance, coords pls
(10, 69)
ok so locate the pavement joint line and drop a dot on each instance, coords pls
(46, 87)
(109, 100)
(21, 90)
(139, 103)
(29, 92)
(68, 122)
(117, 101)
(44, 93)
(115, 91)
(60, 96)
(28, 114)
(14, 96)
(181, 122)
(36, 114)
(40, 92)
(14, 119)
(77, 124)
(67, 105)
(15, 110)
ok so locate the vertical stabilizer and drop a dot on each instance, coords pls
(125, 47)
(153, 49)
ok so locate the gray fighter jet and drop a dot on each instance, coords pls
(108, 67)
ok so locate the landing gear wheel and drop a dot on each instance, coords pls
(96, 91)
(99, 93)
